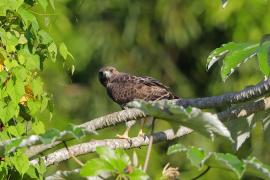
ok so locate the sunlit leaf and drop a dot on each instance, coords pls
(45, 37)
(95, 167)
(37, 86)
(63, 50)
(43, 3)
(52, 51)
(38, 127)
(235, 58)
(21, 162)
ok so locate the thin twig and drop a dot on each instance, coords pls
(149, 148)
(73, 157)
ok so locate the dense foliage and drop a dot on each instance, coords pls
(169, 40)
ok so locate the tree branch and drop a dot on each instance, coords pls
(88, 147)
(130, 114)
(84, 148)
(112, 119)
(248, 93)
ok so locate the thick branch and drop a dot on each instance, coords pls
(112, 119)
(88, 147)
(245, 110)
(84, 148)
(248, 93)
(119, 117)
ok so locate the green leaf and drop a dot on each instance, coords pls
(112, 162)
(43, 3)
(50, 136)
(45, 37)
(220, 53)
(31, 172)
(20, 161)
(34, 106)
(235, 58)
(17, 130)
(41, 168)
(196, 156)
(257, 168)
(240, 130)
(232, 54)
(52, 49)
(106, 153)
(28, 19)
(9, 5)
(37, 86)
(138, 174)
(20, 73)
(52, 4)
(44, 102)
(9, 111)
(15, 90)
(22, 39)
(33, 62)
(63, 50)
(3, 76)
(176, 148)
(95, 167)
(263, 58)
(75, 131)
(12, 145)
(10, 64)
(38, 127)
(232, 162)
(9, 40)
(205, 123)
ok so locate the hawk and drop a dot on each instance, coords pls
(124, 88)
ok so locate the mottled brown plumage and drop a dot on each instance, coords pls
(124, 88)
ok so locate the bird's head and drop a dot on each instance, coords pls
(106, 74)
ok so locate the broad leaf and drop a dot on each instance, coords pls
(235, 58)
(43, 3)
(198, 157)
(240, 129)
(95, 167)
(21, 162)
(221, 52)
(257, 168)
(203, 122)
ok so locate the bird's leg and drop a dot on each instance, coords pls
(141, 133)
(125, 135)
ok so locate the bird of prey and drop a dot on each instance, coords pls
(124, 88)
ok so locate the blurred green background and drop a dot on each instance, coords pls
(166, 39)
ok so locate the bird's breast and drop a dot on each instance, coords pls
(121, 93)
